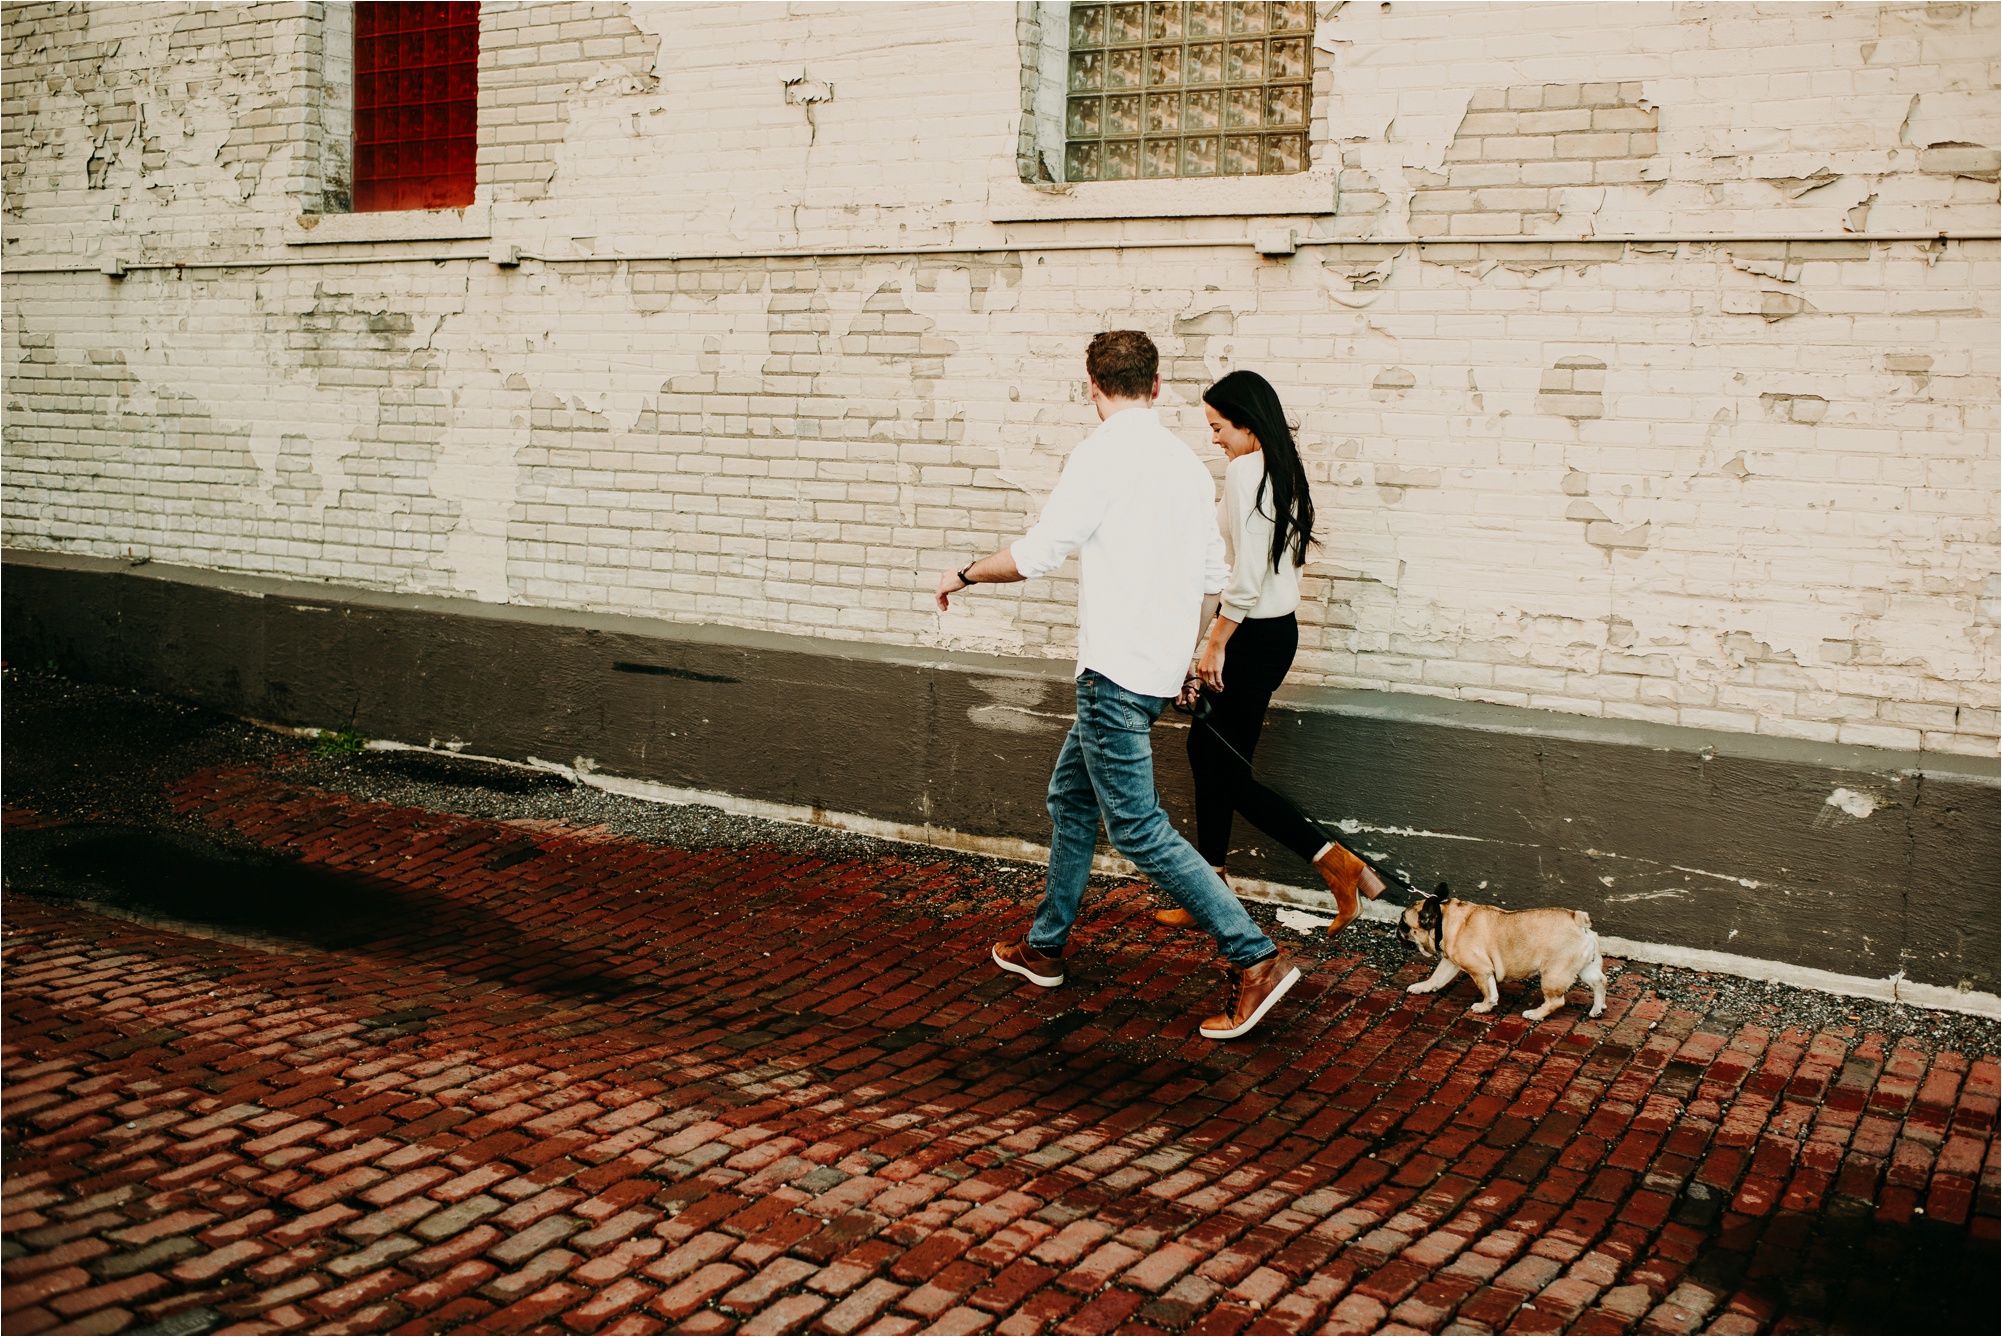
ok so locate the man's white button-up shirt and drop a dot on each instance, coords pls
(1140, 510)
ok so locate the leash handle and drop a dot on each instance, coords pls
(1200, 713)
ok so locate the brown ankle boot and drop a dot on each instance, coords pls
(1371, 885)
(1343, 873)
(1347, 876)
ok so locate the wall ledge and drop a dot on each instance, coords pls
(399, 225)
(1312, 193)
(1397, 707)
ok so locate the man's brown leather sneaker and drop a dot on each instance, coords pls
(1259, 987)
(1018, 956)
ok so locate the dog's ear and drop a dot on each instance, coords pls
(1430, 916)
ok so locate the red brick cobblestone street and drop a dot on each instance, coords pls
(557, 1079)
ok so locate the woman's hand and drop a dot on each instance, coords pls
(1209, 668)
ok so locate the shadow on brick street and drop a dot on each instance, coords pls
(265, 899)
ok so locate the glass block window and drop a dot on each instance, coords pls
(1204, 88)
(416, 104)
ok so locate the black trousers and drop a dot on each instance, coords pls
(1254, 664)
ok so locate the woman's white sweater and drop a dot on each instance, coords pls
(1255, 589)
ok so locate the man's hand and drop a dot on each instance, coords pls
(998, 569)
(949, 584)
(1192, 689)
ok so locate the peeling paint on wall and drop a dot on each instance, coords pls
(1849, 801)
(595, 76)
(1537, 158)
(1779, 457)
(1573, 387)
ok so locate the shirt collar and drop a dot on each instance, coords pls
(1134, 417)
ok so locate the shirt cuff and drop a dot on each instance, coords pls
(1026, 559)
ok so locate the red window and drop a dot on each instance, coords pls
(416, 104)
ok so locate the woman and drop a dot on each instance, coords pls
(1268, 518)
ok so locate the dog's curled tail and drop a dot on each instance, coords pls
(1584, 920)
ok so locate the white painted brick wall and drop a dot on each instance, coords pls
(1770, 507)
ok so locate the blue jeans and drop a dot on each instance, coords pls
(1107, 765)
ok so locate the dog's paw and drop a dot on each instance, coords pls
(1482, 1006)
(1420, 987)
(1597, 1011)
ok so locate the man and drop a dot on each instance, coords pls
(1142, 509)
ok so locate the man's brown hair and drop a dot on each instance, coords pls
(1123, 363)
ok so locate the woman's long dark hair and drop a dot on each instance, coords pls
(1250, 402)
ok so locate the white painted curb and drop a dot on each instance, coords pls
(1895, 989)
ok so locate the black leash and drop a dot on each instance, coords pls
(1199, 712)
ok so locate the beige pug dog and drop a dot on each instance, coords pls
(1492, 945)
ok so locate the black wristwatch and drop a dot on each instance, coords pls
(965, 579)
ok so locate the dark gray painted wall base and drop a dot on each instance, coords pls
(1711, 841)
